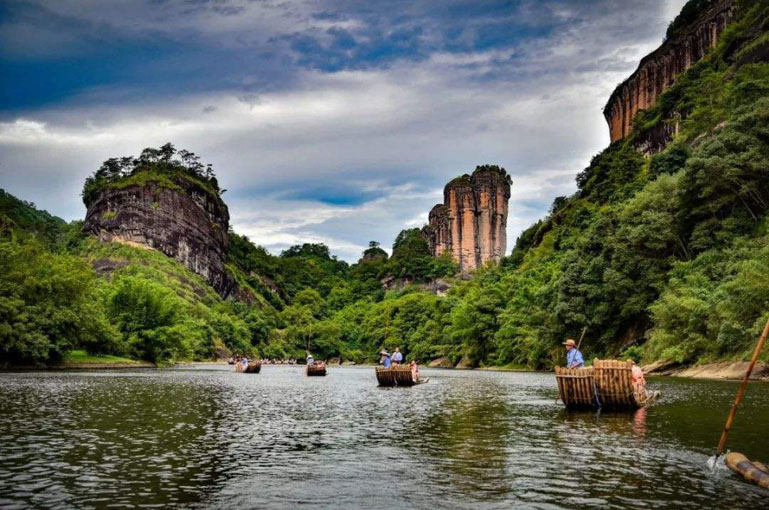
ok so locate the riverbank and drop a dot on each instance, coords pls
(725, 370)
(78, 360)
(730, 370)
(81, 360)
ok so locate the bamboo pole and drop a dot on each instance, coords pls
(581, 337)
(741, 391)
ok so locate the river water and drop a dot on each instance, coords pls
(205, 437)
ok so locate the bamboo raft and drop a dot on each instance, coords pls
(607, 384)
(754, 472)
(316, 369)
(253, 368)
(395, 375)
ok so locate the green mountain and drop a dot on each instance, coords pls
(662, 253)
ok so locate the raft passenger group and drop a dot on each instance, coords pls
(396, 358)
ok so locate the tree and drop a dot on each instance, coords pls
(49, 304)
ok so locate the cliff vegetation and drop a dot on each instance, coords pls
(164, 166)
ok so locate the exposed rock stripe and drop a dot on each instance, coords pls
(658, 70)
(189, 224)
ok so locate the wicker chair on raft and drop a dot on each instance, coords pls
(253, 367)
(607, 385)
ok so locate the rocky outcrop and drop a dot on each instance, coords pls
(658, 70)
(471, 224)
(443, 362)
(186, 222)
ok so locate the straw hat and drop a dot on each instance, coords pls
(384, 353)
(570, 342)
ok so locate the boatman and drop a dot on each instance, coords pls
(573, 356)
(385, 358)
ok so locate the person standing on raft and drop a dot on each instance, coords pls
(573, 356)
(397, 357)
(385, 358)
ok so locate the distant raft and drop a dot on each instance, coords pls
(754, 472)
(316, 369)
(607, 384)
(397, 375)
(253, 367)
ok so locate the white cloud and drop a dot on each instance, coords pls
(396, 134)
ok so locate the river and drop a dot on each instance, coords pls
(205, 437)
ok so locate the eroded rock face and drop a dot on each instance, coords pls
(658, 70)
(189, 224)
(439, 236)
(471, 224)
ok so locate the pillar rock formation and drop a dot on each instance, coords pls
(471, 223)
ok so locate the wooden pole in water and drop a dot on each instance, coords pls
(741, 391)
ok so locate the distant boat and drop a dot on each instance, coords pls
(316, 369)
(254, 367)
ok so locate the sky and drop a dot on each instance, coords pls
(333, 121)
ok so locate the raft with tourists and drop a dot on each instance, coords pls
(393, 373)
(253, 367)
(608, 384)
(398, 375)
(317, 368)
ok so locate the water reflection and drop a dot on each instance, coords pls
(215, 439)
(465, 442)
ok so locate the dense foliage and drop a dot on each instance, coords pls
(661, 258)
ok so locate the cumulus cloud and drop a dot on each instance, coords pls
(328, 122)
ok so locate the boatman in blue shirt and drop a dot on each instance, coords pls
(573, 356)
(385, 358)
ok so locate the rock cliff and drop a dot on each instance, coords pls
(658, 70)
(471, 223)
(183, 221)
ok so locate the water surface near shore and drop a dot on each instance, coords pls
(206, 437)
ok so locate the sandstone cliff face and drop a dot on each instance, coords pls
(471, 224)
(658, 70)
(188, 224)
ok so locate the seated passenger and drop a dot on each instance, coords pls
(397, 357)
(638, 380)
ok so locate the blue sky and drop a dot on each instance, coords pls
(326, 121)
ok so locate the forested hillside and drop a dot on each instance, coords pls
(661, 257)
